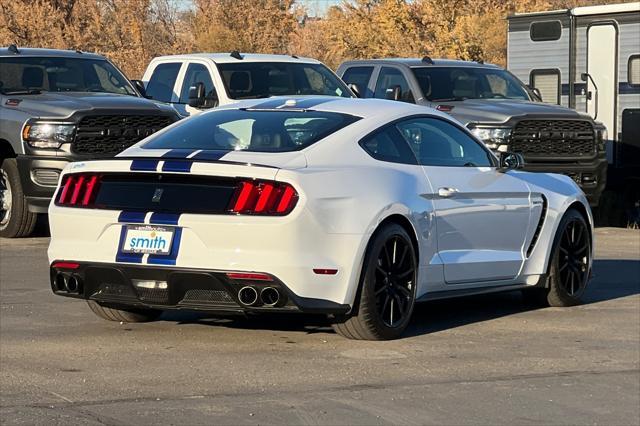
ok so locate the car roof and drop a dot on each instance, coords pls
(418, 62)
(365, 108)
(57, 53)
(222, 58)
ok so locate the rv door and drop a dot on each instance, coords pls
(602, 48)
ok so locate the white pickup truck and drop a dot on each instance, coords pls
(194, 82)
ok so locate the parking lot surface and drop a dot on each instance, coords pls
(477, 360)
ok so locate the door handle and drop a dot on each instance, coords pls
(447, 192)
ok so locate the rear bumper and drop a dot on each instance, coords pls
(213, 291)
(590, 177)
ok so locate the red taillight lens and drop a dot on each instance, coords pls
(264, 198)
(78, 190)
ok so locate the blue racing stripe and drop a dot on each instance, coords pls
(131, 217)
(164, 218)
(210, 155)
(144, 165)
(126, 257)
(169, 259)
(178, 153)
(177, 166)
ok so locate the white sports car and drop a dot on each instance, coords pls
(352, 208)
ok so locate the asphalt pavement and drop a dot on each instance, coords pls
(478, 360)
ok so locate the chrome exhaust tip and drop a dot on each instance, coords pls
(73, 284)
(269, 296)
(248, 296)
(60, 282)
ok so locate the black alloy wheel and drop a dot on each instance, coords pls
(394, 280)
(386, 296)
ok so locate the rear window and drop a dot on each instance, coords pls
(250, 130)
(252, 80)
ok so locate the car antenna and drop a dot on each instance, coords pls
(480, 61)
(13, 49)
(294, 56)
(427, 60)
(235, 54)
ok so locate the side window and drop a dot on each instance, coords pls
(545, 30)
(388, 79)
(160, 86)
(388, 145)
(438, 143)
(196, 73)
(633, 70)
(359, 76)
(548, 83)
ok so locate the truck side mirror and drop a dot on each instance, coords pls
(584, 76)
(139, 86)
(394, 93)
(355, 89)
(511, 161)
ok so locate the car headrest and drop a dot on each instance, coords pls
(464, 87)
(32, 77)
(239, 81)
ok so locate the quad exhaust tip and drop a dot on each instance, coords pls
(73, 284)
(248, 296)
(269, 296)
(68, 283)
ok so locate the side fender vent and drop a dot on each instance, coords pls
(543, 215)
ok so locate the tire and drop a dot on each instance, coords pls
(122, 315)
(388, 278)
(569, 264)
(15, 218)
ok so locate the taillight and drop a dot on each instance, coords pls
(263, 198)
(78, 190)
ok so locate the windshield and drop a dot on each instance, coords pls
(253, 80)
(250, 130)
(51, 74)
(457, 84)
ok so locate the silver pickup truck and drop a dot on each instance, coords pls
(58, 106)
(498, 108)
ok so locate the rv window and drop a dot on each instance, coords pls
(633, 71)
(545, 30)
(548, 83)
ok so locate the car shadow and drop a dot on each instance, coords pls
(613, 279)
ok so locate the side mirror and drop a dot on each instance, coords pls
(139, 86)
(511, 161)
(584, 76)
(355, 89)
(394, 93)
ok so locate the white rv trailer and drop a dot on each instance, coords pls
(587, 58)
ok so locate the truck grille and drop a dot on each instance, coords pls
(111, 134)
(553, 138)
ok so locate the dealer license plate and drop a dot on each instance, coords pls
(148, 239)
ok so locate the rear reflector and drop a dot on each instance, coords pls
(322, 271)
(265, 198)
(78, 190)
(249, 276)
(65, 265)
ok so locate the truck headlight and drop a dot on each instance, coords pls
(492, 137)
(48, 134)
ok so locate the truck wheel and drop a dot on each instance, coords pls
(15, 218)
(388, 288)
(121, 315)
